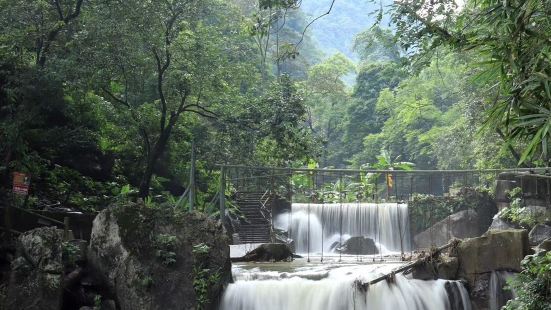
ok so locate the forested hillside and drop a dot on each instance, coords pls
(97, 96)
(336, 32)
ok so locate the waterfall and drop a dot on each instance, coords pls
(316, 227)
(331, 287)
(498, 294)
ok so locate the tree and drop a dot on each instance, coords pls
(36, 25)
(174, 64)
(378, 45)
(512, 40)
(327, 99)
(362, 118)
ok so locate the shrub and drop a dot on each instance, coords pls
(533, 285)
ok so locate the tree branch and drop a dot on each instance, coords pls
(202, 110)
(76, 12)
(114, 97)
(160, 80)
(312, 22)
(44, 47)
(431, 26)
(59, 10)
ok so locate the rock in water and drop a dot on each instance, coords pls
(460, 225)
(36, 276)
(160, 259)
(539, 233)
(495, 250)
(268, 252)
(359, 246)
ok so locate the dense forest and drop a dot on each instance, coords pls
(115, 110)
(97, 96)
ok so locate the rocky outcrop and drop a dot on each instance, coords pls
(37, 271)
(475, 260)
(539, 233)
(495, 250)
(268, 252)
(160, 259)
(458, 225)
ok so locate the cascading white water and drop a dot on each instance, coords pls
(332, 287)
(315, 227)
(498, 294)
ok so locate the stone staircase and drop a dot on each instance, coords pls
(256, 226)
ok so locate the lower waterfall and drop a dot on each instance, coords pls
(317, 227)
(332, 287)
(498, 294)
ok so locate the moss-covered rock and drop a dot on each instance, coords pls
(495, 250)
(37, 271)
(460, 225)
(426, 210)
(160, 258)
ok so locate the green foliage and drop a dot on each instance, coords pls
(97, 301)
(70, 252)
(200, 249)
(203, 277)
(145, 282)
(429, 119)
(165, 246)
(377, 45)
(510, 41)
(202, 281)
(101, 113)
(517, 214)
(533, 284)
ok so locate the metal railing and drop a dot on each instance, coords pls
(351, 186)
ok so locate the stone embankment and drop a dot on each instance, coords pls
(138, 258)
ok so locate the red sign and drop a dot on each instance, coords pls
(21, 183)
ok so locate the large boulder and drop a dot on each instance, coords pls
(359, 246)
(500, 224)
(459, 225)
(160, 259)
(539, 233)
(544, 246)
(37, 271)
(268, 252)
(495, 250)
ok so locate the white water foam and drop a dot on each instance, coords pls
(331, 287)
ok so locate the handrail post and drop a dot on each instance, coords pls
(7, 217)
(222, 193)
(66, 228)
(192, 178)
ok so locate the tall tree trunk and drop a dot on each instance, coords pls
(154, 156)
